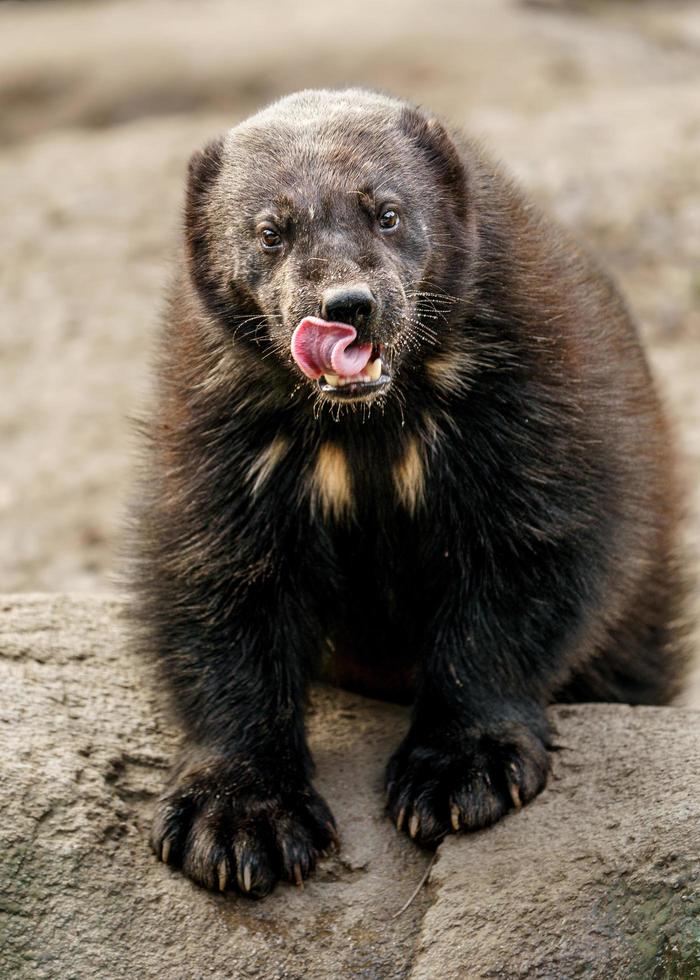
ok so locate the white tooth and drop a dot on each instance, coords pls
(374, 369)
(332, 379)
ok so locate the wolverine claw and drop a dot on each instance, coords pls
(515, 796)
(244, 877)
(333, 834)
(513, 786)
(223, 875)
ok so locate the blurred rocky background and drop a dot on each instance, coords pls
(594, 105)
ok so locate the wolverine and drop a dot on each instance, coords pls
(404, 438)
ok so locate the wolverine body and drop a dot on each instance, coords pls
(405, 436)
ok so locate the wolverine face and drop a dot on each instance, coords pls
(318, 230)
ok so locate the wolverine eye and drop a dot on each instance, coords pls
(389, 220)
(270, 239)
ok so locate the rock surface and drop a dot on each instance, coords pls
(601, 878)
(597, 878)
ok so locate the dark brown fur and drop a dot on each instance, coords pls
(495, 531)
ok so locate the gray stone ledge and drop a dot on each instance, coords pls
(597, 878)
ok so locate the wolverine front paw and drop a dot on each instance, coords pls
(463, 781)
(228, 828)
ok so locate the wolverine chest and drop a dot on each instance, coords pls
(391, 565)
(374, 609)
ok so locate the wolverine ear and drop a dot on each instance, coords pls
(203, 169)
(436, 144)
(205, 166)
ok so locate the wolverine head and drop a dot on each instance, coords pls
(328, 231)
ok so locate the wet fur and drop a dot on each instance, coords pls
(495, 534)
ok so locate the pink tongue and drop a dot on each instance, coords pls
(321, 347)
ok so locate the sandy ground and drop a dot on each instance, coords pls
(595, 106)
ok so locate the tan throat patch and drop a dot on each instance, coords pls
(331, 482)
(263, 465)
(409, 476)
(449, 370)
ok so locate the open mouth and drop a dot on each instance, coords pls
(370, 381)
(327, 352)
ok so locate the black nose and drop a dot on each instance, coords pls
(348, 304)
